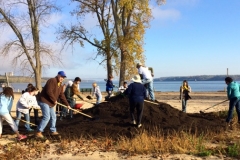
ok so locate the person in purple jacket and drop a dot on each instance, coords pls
(136, 93)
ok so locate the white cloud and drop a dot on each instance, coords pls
(178, 3)
(166, 14)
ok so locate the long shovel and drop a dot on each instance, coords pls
(151, 102)
(26, 122)
(75, 110)
(214, 105)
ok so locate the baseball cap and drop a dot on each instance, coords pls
(62, 74)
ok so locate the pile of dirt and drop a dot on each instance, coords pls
(112, 118)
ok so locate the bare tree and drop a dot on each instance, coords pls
(24, 17)
(104, 43)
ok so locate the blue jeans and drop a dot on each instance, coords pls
(99, 98)
(184, 105)
(149, 88)
(48, 115)
(27, 118)
(233, 102)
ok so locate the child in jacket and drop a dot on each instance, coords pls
(97, 93)
(6, 100)
(27, 101)
(109, 86)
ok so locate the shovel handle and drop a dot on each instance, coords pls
(216, 104)
(151, 102)
(75, 110)
(220, 102)
(26, 122)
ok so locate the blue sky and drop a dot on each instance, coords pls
(187, 37)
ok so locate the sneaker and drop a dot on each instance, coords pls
(134, 122)
(140, 125)
(54, 133)
(39, 135)
(21, 137)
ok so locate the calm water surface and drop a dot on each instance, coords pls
(163, 86)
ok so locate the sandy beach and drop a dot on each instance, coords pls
(199, 102)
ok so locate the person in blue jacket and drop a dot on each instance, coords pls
(233, 94)
(136, 93)
(109, 86)
(6, 100)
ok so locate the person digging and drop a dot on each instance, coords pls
(233, 94)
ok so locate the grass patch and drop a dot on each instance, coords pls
(155, 143)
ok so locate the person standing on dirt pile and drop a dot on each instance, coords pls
(6, 100)
(233, 94)
(97, 93)
(123, 87)
(27, 101)
(147, 80)
(69, 95)
(185, 89)
(109, 86)
(136, 93)
(47, 99)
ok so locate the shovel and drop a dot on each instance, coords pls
(26, 122)
(151, 102)
(214, 105)
(75, 110)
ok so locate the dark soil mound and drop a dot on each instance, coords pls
(112, 118)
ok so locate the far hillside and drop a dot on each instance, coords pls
(198, 78)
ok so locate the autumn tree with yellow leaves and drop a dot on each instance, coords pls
(122, 23)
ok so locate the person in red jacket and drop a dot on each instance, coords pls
(47, 99)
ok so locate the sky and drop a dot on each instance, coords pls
(185, 38)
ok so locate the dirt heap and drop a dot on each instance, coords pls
(112, 118)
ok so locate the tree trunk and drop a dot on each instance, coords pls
(122, 67)
(109, 64)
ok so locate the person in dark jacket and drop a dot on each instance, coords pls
(136, 93)
(47, 99)
(109, 86)
(69, 95)
(233, 94)
(185, 89)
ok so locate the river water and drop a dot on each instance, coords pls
(163, 86)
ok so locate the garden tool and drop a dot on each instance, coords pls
(214, 105)
(26, 122)
(151, 102)
(75, 110)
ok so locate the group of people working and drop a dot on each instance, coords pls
(54, 91)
